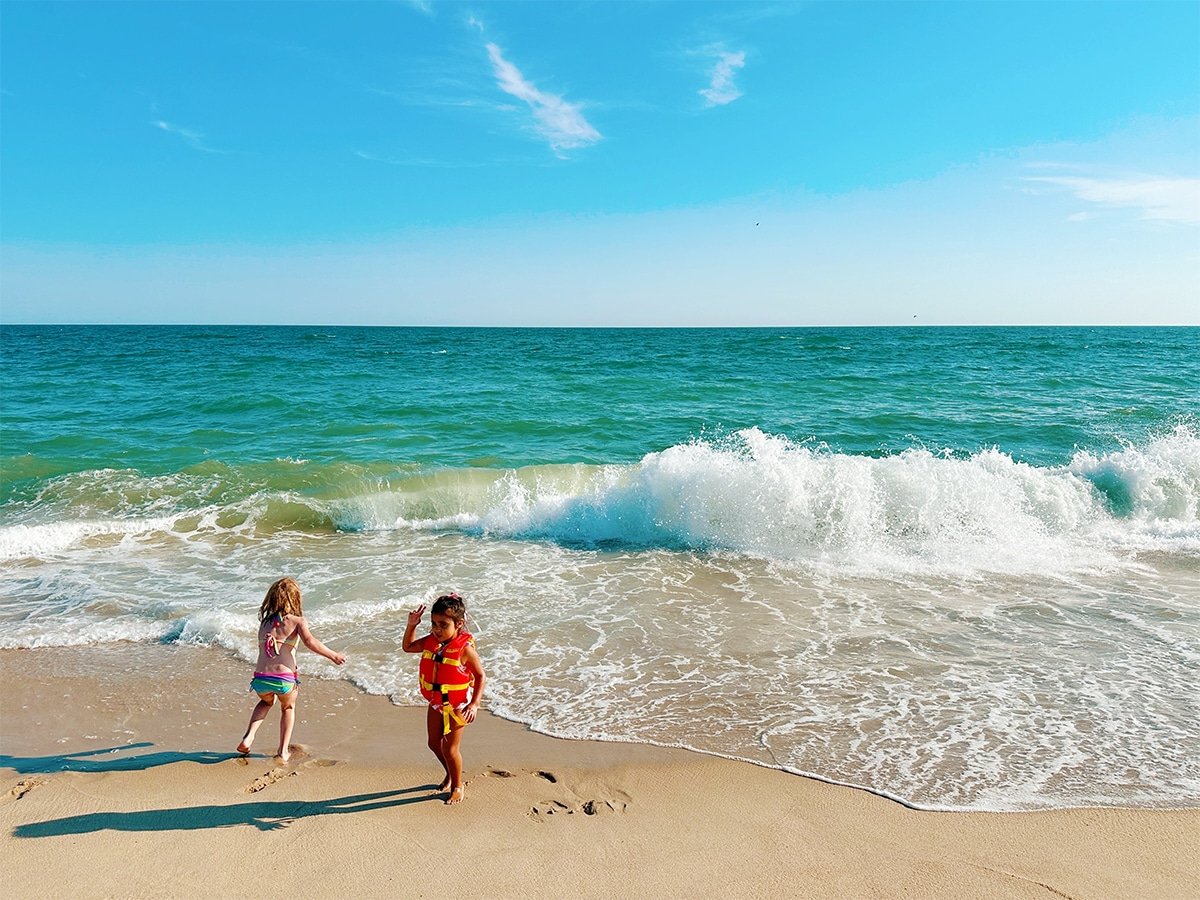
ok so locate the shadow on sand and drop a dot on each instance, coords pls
(263, 815)
(77, 762)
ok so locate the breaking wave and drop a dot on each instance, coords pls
(752, 493)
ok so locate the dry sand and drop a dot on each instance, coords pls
(120, 781)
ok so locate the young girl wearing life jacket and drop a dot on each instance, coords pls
(450, 674)
(281, 627)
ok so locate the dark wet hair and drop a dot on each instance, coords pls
(450, 605)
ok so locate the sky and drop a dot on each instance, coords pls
(418, 162)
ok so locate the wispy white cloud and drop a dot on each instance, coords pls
(559, 122)
(390, 160)
(444, 96)
(721, 89)
(419, 163)
(1155, 197)
(194, 138)
(422, 6)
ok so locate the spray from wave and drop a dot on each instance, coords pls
(749, 493)
(766, 496)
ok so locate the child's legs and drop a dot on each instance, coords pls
(433, 728)
(451, 756)
(287, 720)
(265, 702)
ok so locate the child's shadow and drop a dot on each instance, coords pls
(263, 815)
(74, 762)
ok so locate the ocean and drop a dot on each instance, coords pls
(959, 567)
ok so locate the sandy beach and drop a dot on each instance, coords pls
(122, 784)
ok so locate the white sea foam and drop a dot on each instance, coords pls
(1159, 483)
(762, 495)
(26, 541)
(77, 631)
(753, 493)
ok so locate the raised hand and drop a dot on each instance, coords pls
(414, 617)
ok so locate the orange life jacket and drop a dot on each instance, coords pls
(445, 678)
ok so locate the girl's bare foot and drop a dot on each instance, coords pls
(445, 783)
(456, 796)
(243, 748)
(293, 751)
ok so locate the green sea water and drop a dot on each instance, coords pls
(960, 564)
(160, 399)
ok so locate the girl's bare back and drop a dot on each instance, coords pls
(278, 638)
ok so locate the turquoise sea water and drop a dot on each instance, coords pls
(957, 566)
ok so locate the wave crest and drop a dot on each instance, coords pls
(759, 494)
(749, 493)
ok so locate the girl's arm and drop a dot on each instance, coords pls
(316, 646)
(471, 658)
(411, 644)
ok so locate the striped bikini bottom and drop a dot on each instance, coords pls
(274, 683)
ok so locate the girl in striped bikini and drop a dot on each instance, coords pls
(281, 628)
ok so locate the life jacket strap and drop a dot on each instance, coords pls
(448, 660)
(445, 687)
(450, 713)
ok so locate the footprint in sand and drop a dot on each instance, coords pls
(592, 807)
(596, 807)
(269, 778)
(24, 786)
(542, 811)
(282, 770)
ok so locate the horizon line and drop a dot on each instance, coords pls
(590, 327)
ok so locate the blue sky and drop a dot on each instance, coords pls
(600, 163)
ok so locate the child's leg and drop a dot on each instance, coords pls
(265, 702)
(287, 719)
(433, 727)
(453, 762)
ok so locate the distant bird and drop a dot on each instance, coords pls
(755, 224)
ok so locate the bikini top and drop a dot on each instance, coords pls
(272, 646)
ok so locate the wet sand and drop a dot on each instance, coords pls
(119, 779)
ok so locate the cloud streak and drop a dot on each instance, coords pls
(420, 163)
(194, 138)
(721, 89)
(1156, 197)
(561, 123)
